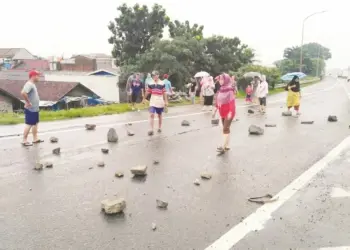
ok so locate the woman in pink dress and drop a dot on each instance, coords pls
(226, 105)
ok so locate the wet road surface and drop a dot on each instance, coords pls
(59, 208)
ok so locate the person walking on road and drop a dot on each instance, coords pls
(31, 108)
(167, 84)
(261, 93)
(293, 99)
(255, 84)
(208, 93)
(226, 105)
(248, 92)
(192, 90)
(158, 101)
(137, 90)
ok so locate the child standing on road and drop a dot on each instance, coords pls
(261, 92)
(157, 102)
(248, 92)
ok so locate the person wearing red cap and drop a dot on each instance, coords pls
(167, 85)
(31, 108)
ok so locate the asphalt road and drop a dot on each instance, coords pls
(59, 208)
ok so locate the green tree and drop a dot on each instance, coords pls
(227, 54)
(178, 29)
(135, 30)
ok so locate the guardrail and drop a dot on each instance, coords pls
(281, 85)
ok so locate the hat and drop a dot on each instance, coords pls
(33, 73)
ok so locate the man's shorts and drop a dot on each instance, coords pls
(135, 97)
(262, 101)
(31, 118)
(154, 110)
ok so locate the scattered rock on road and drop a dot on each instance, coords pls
(119, 174)
(155, 162)
(38, 166)
(250, 111)
(139, 170)
(162, 204)
(332, 118)
(113, 206)
(130, 133)
(53, 139)
(185, 123)
(270, 125)
(287, 113)
(56, 151)
(90, 126)
(307, 122)
(196, 182)
(215, 121)
(154, 226)
(206, 176)
(48, 165)
(105, 150)
(101, 164)
(255, 130)
(112, 135)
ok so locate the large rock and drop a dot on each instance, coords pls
(53, 139)
(112, 135)
(287, 113)
(90, 126)
(139, 170)
(196, 182)
(332, 118)
(185, 123)
(113, 206)
(162, 204)
(56, 151)
(255, 130)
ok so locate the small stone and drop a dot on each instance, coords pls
(38, 166)
(90, 126)
(162, 204)
(270, 125)
(206, 176)
(56, 151)
(112, 135)
(250, 111)
(48, 165)
(196, 182)
(119, 174)
(130, 133)
(154, 226)
(101, 164)
(53, 139)
(155, 162)
(287, 113)
(113, 206)
(332, 118)
(255, 130)
(215, 121)
(139, 170)
(307, 122)
(91, 168)
(105, 150)
(185, 123)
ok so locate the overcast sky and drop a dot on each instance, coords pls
(69, 27)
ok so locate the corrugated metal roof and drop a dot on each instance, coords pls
(8, 52)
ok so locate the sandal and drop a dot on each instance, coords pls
(27, 144)
(38, 141)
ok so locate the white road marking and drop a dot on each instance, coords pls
(339, 193)
(335, 248)
(80, 127)
(257, 220)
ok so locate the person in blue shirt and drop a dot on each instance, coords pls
(167, 84)
(137, 91)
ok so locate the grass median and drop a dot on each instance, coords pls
(14, 118)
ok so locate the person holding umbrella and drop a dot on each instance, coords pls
(226, 105)
(293, 98)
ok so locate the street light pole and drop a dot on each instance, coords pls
(302, 38)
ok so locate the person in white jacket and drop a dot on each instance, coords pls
(261, 92)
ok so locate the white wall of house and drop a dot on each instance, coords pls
(23, 54)
(104, 86)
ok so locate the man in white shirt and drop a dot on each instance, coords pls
(261, 92)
